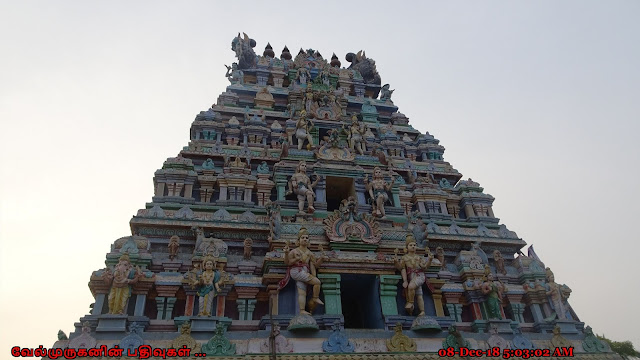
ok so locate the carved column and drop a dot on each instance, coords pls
(395, 193)
(191, 298)
(251, 306)
(141, 300)
(281, 183)
(98, 304)
(171, 302)
(468, 209)
(321, 192)
(388, 292)
(453, 306)
(242, 308)
(331, 291)
(160, 307)
(360, 190)
(437, 295)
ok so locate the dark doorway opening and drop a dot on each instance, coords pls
(361, 301)
(338, 189)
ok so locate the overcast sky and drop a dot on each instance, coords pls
(538, 101)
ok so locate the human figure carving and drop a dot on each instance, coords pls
(303, 130)
(558, 294)
(247, 248)
(497, 256)
(234, 74)
(385, 93)
(494, 291)
(208, 284)
(356, 133)
(302, 267)
(120, 280)
(174, 244)
(412, 267)
(301, 185)
(378, 191)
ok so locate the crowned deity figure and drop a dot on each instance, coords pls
(558, 295)
(412, 267)
(301, 185)
(207, 281)
(120, 279)
(303, 130)
(378, 191)
(302, 267)
(494, 290)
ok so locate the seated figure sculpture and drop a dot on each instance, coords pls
(378, 191)
(303, 130)
(302, 266)
(412, 267)
(301, 185)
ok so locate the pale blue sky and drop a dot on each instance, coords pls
(538, 101)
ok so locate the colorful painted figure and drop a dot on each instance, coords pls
(412, 267)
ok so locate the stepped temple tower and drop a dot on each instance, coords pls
(307, 218)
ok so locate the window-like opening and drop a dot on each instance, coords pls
(361, 301)
(338, 189)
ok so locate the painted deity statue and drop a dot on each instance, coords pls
(356, 135)
(303, 130)
(302, 267)
(207, 282)
(558, 295)
(412, 267)
(385, 92)
(301, 185)
(378, 191)
(120, 279)
(494, 290)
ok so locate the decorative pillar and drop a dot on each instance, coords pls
(331, 290)
(141, 300)
(443, 208)
(242, 308)
(536, 311)
(191, 298)
(360, 189)
(421, 207)
(160, 306)
(436, 294)
(395, 193)
(518, 312)
(469, 210)
(223, 193)
(490, 211)
(171, 302)
(321, 190)
(281, 183)
(251, 306)
(160, 189)
(273, 294)
(388, 293)
(247, 194)
(455, 311)
(98, 304)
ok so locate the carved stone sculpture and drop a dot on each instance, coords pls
(247, 248)
(338, 341)
(454, 339)
(378, 191)
(412, 267)
(120, 279)
(208, 284)
(301, 185)
(235, 75)
(494, 291)
(303, 130)
(400, 342)
(174, 245)
(385, 93)
(356, 133)
(219, 345)
(497, 257)
(558, 295)
(302, 267)
(441, 258)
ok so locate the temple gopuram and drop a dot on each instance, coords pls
(306, 219)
